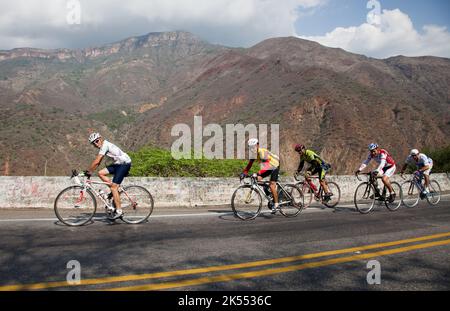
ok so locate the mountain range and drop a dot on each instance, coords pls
(134, 91)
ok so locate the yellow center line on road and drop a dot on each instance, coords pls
(157, 275)
(273, 271)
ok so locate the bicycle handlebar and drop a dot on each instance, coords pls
(357, 176)
(83, 174)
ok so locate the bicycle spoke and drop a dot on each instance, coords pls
(411, 194)
(395, 204)
(364, 198)
(246, 203)
(137, 204)
(75, 206)
(291, 202)
(435, 193)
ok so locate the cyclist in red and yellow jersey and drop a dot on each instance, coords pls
(270, 166)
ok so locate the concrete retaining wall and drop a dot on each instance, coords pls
(40, 192)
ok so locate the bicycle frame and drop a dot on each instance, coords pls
(373, 182)
(87, 184)
(257, 186)
(317, 192)
(416, 181)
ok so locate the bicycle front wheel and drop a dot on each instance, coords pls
(334, 200)
(307, 192)
(364, 198)
(395, 205)
(75, 206)
(435, 193)
(411, 195)
(246, 203)
(137, 204)
(295, 201)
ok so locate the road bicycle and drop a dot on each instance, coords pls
(367, 193)
(247, 202)
(311, 191)
(76, 205)
(414, 188)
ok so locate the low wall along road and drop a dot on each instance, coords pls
(40, 192)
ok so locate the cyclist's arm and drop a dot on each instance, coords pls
(404, 168)
(382, 163)
(364, 164)
(425, 168)
(427, 163)
(249, 167)
(301, 165)
(95, 163)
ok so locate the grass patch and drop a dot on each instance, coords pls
(155, 162)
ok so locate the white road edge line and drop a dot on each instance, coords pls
(309, 210)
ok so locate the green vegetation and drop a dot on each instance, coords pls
(155, 162)
(441, 159)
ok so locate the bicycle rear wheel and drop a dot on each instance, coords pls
(296, 201)
(246, 203)
(411, 195)
(75, 206)
(435, 193)
(137, 204)
(395, 205)
(364, 198)
(334, 200)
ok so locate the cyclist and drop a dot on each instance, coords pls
(317, 166)
(270, 166)
(424, 166)
(386, 167)
(120, 168)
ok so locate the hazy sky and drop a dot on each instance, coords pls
(377, 28)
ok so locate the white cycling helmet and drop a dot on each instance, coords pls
(93, 137)
(373, 147)
(414, 152)
(253, 142)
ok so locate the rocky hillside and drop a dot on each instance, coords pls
(135, 90)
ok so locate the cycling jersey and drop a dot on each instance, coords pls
(112, 151)
(317, 164)
(383, 158)
(423, 161)
(311, 157)
(268, 161)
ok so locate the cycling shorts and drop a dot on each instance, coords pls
(274, 174)
(428, 171)
(317, 169)
(389, 171)
(120, 171)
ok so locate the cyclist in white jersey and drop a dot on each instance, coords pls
(120, 168)
(424, 166)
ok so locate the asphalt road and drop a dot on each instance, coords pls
(212, 250)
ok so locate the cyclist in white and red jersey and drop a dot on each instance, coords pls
(385, 169)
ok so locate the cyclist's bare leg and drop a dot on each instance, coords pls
(273, 188)
(103, 174)
(324, 185)
(116, 197)
(387, 183)
(427, 181)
